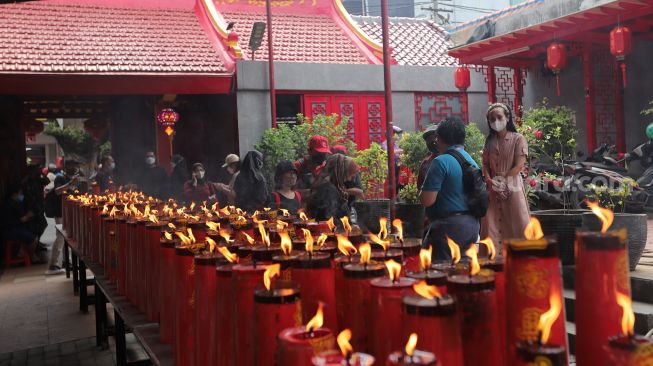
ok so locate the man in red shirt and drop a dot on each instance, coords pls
(309, 167)
(430, 137)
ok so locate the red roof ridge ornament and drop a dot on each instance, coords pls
(228, 36)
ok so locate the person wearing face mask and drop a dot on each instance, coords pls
(104, 177)
(153, 178)
(285, 179)
(16, 218)
(251, 187)
(504, 156)
(310, 166)
(329, 196)
(431, 140)
(198, 189)
(178, 177)
(232, 165)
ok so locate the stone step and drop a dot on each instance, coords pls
(643, 313)
(641, 282)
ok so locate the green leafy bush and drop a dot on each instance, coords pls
(409, 193)
(374, 170)
(414, 150)
(291, 143)
(550, 131)
(474, 142)
(74, 141)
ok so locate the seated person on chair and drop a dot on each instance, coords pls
(15, 220)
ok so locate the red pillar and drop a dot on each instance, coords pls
(589, 97)
(491, 85)
(619, 109)
(389, 133)
(273, 96)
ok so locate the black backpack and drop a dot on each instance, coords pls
(476, 194)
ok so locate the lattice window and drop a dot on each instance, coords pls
(375, 122)
(347, 110)
(434, 107)
(318, 108)
(605, 103)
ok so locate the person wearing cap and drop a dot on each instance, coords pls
(232, 165)
(431, 140)
(198, 189)
(310, 166)
(285, 179)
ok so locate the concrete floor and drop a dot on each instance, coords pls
(40, 321)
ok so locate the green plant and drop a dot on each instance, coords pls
(414, 150)
(409, 193)
(105, 148)
(474, 142)
(613, 198)
(73, 140)
(290, 143)
(550, 131)
(374, 170)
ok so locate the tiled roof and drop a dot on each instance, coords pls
(496, 15)
(299, 37)
(47, 37)
(417, 42)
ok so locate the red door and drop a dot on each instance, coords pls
(365, 114)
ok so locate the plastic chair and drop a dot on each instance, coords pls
(10, 247)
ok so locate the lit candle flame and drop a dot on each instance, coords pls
(331, 225)
(167, 235)
(455, 250)
(377, 240)
(398, 225)
(366, 253)
(343, 342)
(153, 219)
(284, 212)
(231, 257)
(309, 240)
(266, 209)
(426, 291)
(271, 271)
(190, 235)
(321, 239)
(265, 237)
(345, 224)
(549, 317)
(491, 249)
(281, 225)
(286, 243)
(214, 207)
(214, 226)
(411, 344)
(105, 209)
(533, 230)
(225, 211)
(184, 239)
(226, 236)
(628, 317)
(172, 226)
(606, 216)
(249, 239)
(383, 223)
(475, 267)
(425, 258)
(394, 269)
(113, 212)
(192, 206)
(317, 320)
(303, 217)
(344, 245)
(212, 244)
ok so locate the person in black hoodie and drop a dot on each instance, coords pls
(178, 177)
(251, 188)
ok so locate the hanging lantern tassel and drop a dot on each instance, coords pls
(556, 60)
(621, 40)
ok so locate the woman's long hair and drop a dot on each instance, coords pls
(510, 126)
(335, 172)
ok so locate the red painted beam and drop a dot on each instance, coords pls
(67, 84)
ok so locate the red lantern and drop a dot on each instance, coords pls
(462, 78)
(32, 127)
(556, 60)
(167, 117)
(620, 46)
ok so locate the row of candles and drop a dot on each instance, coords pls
(199, 272)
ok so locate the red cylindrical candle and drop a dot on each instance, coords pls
(130, 248)
(335, 358)
(410, 249)
(601, 270)
(274, 310)
(357, 293)
(429, 317)
(316, 277)
(497, 266)
(184, 283)
(167, 290)
(477, 308)
(94, 233)
(264, 254)
(206, 302)
(153, 265)
(385, 325)
(121, 265)
(111, 249)
(432, 277)
(140, 276)
(297, 346)
(225, 323)
(245, 278)
(419, 358)
(630, 350)
(532, 353)
(339, 263)
(385, 255)
(533, 275)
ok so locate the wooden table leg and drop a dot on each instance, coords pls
(75, 273)
(66, 258)
(101, 332)
(83, 290)
(121, 344)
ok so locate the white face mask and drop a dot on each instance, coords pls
(498, 125)
(150, 160)
(112, 166)
(200, 175)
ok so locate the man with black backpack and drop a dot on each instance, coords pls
(453, 193)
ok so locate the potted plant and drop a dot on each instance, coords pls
(410, 211)
(616, 199)
(374, 170)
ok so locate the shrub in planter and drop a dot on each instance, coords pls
(374, 170)
(410, 211)
(414, 150)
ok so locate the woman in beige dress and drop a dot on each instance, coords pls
(504, 156)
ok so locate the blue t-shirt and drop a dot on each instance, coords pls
(445, 176)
